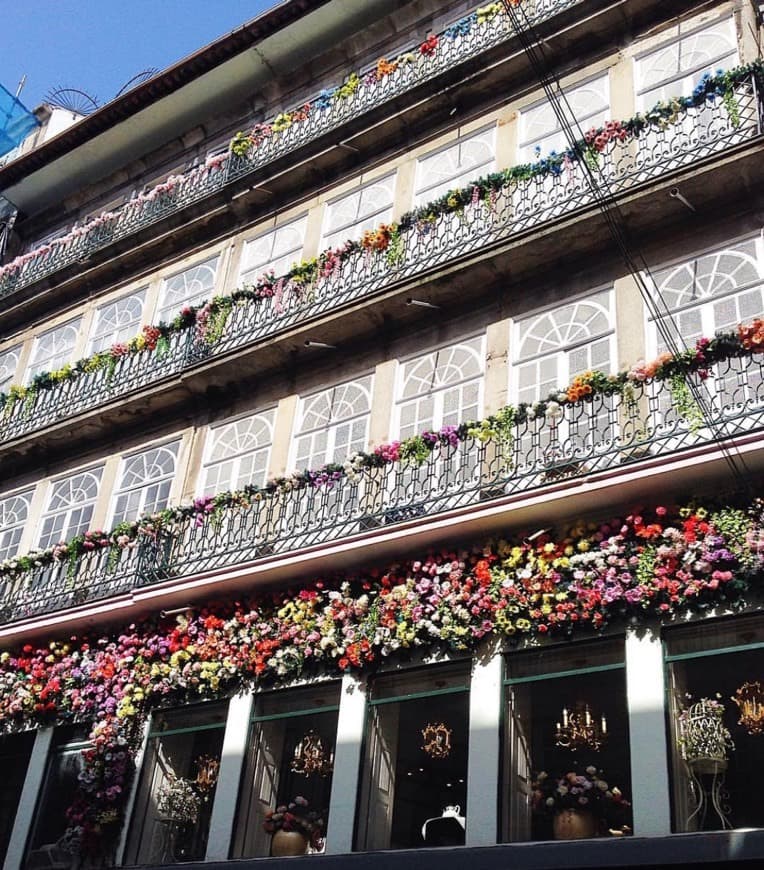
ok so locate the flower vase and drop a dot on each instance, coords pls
(574, 825)
(286, 843)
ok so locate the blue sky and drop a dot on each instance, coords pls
(97, 45)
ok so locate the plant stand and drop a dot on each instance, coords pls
(707, 788)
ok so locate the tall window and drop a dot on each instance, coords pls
(540, 131)
(454, 166)
(9, 361)
(60, 783)
(714, 672)
(673, 69)
(15, 752)
(290, 752)
(333, 424)
(555, 346)
(176, 790)
(116, 322)
(53, 349)
(273, 252)
(442, 388)
(565, 712)
(14, 515)
(414, 790)
(145, 482)
(190, 287)
(362, 209)
(70, 507)
(714, 291)
(237, 453)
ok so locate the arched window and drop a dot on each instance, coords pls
(673, 69)
(555, 346)
(190, 287)
(540, 130)
(362, 209)
(116, 322)
(453, 167)
(144, 482)
(715, 291)
(237, 453)
(274, 251)
(9, 361)
(53, 349)
(14, 513)
(441, 388)
(70, 507)
(333, 424)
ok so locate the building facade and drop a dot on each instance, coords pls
(381, 425)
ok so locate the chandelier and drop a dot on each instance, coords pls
(309, 757)
(750, 701)
(207, 775)
(579, 729)
(437, 740)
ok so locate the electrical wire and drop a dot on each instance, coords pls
(532, 46)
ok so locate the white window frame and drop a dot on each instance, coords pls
(67, 531)
(120, 490)
(166, 311)
(426, 193)
(9, 548)
(10, 379)
(370, 220)
(37, 366)
(123, 332)
(251, 274)
(438, 393)
(268, 416)
(685, 79)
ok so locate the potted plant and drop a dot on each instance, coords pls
(581, 804)
(704, 740)
(293, 827)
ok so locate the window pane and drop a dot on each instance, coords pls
(721, 744)
(566, 712)
(290, 753)
(415, 768)
(362, 209)
(116, 322)
(237, 453)
(9, 360)
(333, 423)
(190, 287)
(14, 513)
(177, 786)
(274, 251)
(70, 507)
(53, 349)
(145, 482)
(455, 166)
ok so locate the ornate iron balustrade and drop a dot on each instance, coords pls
(193, 186)
(518, 207)
(569, 441)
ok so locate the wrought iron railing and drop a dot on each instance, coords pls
(518, 207)
(185, 189)
(567, 441)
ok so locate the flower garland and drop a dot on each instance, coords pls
(649, 565)
(499, 427)
(209, 318)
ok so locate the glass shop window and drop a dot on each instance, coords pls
(15, 752)
(46, 847)
(173, 807)
(716, 723)
(414, 789)
(566, 769)
(290, 754)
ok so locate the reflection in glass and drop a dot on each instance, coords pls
(177, 787)
(414, 789)
(290, 754)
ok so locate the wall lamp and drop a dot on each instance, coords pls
(422, 304)
(320, 344)
(675, 194)
(175, 612)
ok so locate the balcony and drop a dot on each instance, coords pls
(285, 135)
(451, 237)
(601, 437)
